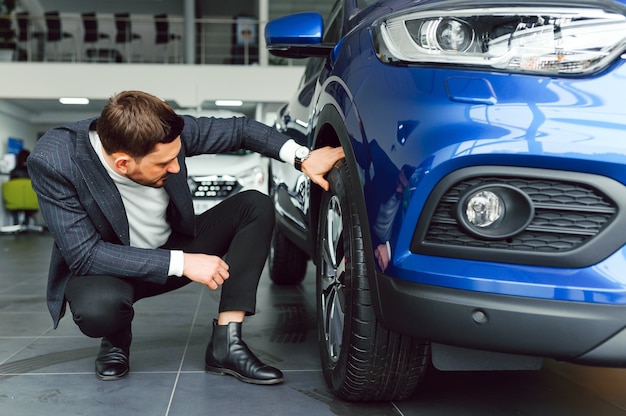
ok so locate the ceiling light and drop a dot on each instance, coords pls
(74, 100)
(229, 103)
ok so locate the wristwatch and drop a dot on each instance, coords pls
(302, 154)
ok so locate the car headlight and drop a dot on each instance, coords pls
(530, 39)
(251, 177)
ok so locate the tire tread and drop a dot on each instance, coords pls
(380, 364)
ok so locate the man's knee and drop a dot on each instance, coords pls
(260, 204)
(103, 314)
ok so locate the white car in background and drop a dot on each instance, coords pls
(213, 178)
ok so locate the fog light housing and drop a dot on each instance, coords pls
(494, 211)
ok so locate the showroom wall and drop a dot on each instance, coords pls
(14, 123)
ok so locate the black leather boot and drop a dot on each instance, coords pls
(112, 361)
(228, 354)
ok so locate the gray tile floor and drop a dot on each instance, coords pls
(46, 371)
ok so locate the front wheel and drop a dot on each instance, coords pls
(361, 360)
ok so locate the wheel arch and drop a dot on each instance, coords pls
(330, 130)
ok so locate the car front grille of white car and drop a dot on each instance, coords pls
(214, 186)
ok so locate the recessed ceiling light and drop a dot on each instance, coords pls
(74, 100)
(229, 103)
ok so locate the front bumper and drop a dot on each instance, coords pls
(579, 332)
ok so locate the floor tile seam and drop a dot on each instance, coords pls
(40, 336)
(293, 371)
(63, 373)
(21, 283)
(184, 355)
(81, 373)
(19, 350)
(164, 372)
(63, 336)
(188, 372)
(22, 313)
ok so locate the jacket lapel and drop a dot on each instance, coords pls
(180, 212)
(101, 186)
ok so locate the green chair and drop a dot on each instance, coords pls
(21, 201)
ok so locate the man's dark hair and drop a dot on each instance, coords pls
(134, 122)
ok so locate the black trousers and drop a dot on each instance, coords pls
(238, 229)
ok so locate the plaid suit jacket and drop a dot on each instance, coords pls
(84, 211)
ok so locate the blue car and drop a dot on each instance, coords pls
(478, 220)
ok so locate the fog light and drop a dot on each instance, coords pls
(494, 211)
(484, 208)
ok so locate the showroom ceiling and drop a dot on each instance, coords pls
(44, 110)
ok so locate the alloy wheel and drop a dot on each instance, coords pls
(333, 269)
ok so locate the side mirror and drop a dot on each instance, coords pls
(297, 36)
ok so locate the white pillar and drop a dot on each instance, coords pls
(190, 32)
(263, 18)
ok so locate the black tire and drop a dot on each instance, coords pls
(287, 262)
(361, 360)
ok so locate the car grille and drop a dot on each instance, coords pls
(213, 187)
(568, 215)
